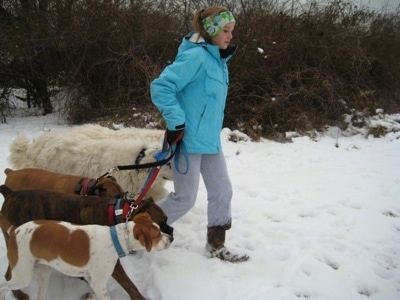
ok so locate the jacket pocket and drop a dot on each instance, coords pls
(216, 85)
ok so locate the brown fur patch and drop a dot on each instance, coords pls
(145, 231)
(12, 252)
(51, 240)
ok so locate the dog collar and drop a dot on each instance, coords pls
(117, 245)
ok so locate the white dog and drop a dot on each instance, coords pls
(97, 132)
(78, 154)
(89, 251)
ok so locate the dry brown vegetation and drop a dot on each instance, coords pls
(297, 68)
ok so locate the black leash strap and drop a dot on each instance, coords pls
(148, 165)
(142, 166)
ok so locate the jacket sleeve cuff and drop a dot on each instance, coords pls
(179, 127)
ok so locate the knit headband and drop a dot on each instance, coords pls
(213, 26)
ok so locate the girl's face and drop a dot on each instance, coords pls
(223, 39)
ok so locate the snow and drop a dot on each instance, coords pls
(320, 219)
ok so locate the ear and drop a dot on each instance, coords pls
(143, 236)
(112, 178)
(148, 241)
(142, 217)
(150, 199)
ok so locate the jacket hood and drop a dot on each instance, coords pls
(194, 39)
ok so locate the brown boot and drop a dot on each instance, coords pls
(215, 245)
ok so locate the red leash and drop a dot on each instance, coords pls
(162, 158)
(159, 156)
(152, 176)
(125, 210)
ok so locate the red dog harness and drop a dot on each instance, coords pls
(84, 186)
(118, 209)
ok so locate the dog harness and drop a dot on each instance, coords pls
(118, 210)
(85, 185)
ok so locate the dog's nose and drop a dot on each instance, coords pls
(171, 238)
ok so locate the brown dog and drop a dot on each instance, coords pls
(40, 179)
(22, 206)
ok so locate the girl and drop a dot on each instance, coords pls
(191, 94)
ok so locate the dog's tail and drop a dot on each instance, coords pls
(18, 152)
(5, 190)
(5, 225)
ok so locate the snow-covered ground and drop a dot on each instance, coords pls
(319, 218)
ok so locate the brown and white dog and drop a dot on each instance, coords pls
(37, 246)
(23, 206)
(40, 179)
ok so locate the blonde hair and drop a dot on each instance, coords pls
(201, 15)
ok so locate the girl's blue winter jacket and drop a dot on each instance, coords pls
(192, 91)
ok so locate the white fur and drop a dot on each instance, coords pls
(97, 132)
(97, 271)
(71, 152)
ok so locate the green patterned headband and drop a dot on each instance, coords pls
(213, 26)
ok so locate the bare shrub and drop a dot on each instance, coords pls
(297, 68)
(304, 71)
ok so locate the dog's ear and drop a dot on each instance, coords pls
(143, 217)
(142, 234)
(111, 177)
(150, 199)
(141, 230)
(145, 231)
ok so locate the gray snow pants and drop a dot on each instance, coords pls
(212, 168)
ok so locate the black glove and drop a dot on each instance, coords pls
(174, 136)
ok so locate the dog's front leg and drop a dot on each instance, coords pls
(42, 276)
(18, 294)
(122, 278)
